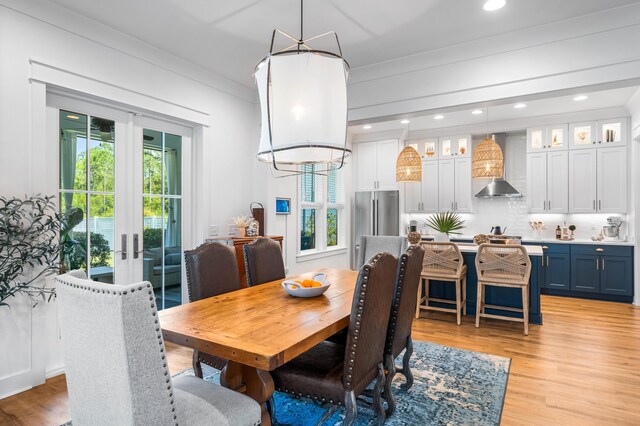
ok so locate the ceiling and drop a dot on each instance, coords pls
(231, 37)
(534, 108)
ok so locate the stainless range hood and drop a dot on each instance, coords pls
(500, 188)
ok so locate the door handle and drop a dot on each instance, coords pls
(544, 205)
(545, 247)
(547, 260)
(452, 206)
(599, 204)
(123, 244)
(377, 217)
(597, 264)
(594, 205)
(603, 264)
(549, 202)
(599, 249)
(136, 241)
(373, 217)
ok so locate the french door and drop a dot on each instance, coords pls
(123, 194)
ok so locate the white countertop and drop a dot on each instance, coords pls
(554, 241)
(472, 248)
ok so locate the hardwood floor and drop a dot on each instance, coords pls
(582, 367)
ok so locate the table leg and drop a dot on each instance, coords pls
(257, 384)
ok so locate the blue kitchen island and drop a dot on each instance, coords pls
(509, 297)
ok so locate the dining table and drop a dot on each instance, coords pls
(260, 328)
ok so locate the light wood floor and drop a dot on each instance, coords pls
(581, 368)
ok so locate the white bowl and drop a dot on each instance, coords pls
(296, 290)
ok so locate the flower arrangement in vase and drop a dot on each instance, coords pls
(241, 223)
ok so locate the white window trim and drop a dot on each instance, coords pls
(321, 207)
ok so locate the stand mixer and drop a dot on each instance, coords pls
(611, 231)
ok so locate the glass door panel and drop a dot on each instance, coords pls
(162, 215)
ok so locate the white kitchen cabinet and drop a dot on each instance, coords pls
(550, 138)
(446, 185)
(463, 182)
(376, 163)
(537, 182)
(598, 180)
(455, 185)
(455, 146)
(582, 181)
(558, 182)
(422, 197)
(598, 134)
(612, 180)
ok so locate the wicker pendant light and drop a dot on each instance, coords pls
(409, 166)
(487, 160)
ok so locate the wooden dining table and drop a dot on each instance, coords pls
(260, 328)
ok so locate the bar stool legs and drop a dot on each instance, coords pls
(460, 300)
(481, 306)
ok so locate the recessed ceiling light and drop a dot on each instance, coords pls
(520, 106)
(405, 122)
(438, 117)
(367, 127)
(73, 117)
(491, 5)
(581, 98)
(477, 112)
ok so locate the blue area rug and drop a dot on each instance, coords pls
(451, 387)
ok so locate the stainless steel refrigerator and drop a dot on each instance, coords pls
(375, 213)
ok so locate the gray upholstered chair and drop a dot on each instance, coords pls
(370, 245)
(116, 366)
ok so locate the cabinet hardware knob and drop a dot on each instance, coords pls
(599, 249)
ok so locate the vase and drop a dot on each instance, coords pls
(241, 232)
(441, 237)
(536, 234)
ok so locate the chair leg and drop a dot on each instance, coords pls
(525, 309)
(325, 416)
(390, 366)
(271, 408)
(377, 397)
(464, 295)
(419, 298)
(197, 368)
(426, 292)
(484, 299)
(458, 301)
(478, 303)
(406, 370)
(351, 407)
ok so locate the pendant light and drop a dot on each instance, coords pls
(303, 99)
(409, 164)
(488, 161)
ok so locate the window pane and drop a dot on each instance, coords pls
(307, 184)
(101, 155)
(101, 237)
(172, 267)
(152, 168)
(308, 229)
(74, 240)
(172, 164)
(333, 185)
(73, 151)
(332, 227)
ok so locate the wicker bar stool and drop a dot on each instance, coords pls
(502, 265)
(443, 262)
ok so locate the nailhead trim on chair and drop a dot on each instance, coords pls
(396, 300)
(159, 335)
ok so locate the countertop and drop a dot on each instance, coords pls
(554, 241)
(472, 248)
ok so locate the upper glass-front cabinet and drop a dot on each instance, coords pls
(547, 138)
(598, 133)
(455, 146)
(427, 148)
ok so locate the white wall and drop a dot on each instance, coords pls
(633, 106)
(43, 32)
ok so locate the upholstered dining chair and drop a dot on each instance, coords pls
(336, 374)
(443, 262)
(212, 269)
(263, 261)
(370, 245)
(116, 363)
(400, 321)
(503, 265)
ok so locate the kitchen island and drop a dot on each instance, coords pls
(509, 297)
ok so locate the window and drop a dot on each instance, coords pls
(321, 208)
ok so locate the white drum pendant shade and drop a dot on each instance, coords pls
(303, 96)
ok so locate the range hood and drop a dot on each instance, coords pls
(500, 188)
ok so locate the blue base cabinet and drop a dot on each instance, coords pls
(616, 275)
(586, 273)
(557, 266)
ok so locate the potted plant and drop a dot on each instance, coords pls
(572, 228)
(446, 224)
(29, 246)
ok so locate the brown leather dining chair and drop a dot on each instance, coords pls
(405, 298)
(337, 374)
(263, 261)
(212, 269)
